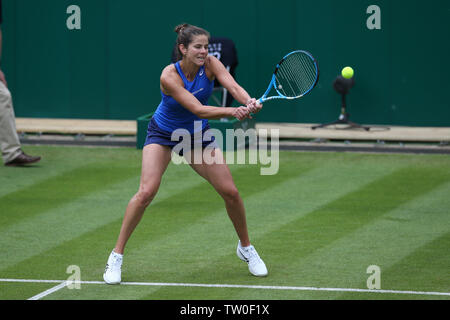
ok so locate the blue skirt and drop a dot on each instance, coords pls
(156, 135)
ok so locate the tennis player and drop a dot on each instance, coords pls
(185, 88)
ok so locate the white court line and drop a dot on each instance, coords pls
(49, 291)
(63, 283)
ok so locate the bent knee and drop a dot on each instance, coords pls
(230, 193)
(145, 195)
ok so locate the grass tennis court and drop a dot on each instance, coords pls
(320, 222)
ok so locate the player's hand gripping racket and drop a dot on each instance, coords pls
(294, 76)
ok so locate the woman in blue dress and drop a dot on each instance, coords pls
(185, 88)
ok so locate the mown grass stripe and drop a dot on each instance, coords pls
(57, 191)
(59, 159)
(14, 180)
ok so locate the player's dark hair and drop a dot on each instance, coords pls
(186, 33)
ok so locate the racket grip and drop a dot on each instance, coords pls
(261, 100)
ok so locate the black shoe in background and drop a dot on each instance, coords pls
(22, 160)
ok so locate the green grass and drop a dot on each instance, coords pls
(320, 222)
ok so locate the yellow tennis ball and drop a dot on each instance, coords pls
(347, 72)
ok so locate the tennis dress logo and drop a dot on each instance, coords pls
(201, 73)
(197, 91)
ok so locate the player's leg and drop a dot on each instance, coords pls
(219, 176)
(155, 159)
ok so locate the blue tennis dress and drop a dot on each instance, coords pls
(171, 115)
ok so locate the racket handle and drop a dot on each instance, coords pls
(259, 101)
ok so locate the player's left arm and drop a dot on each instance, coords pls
(228, 82)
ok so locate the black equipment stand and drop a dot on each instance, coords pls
(342, 86)
(343, 119)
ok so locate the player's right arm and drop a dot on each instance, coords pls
(172, 85)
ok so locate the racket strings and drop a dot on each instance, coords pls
(303, 70)
(296, 75)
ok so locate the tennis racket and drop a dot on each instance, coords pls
(294, 76)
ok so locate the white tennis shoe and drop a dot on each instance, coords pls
(255, 263)
(113, 268)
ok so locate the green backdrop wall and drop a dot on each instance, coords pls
(110, 68)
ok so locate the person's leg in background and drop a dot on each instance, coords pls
(12, 153)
